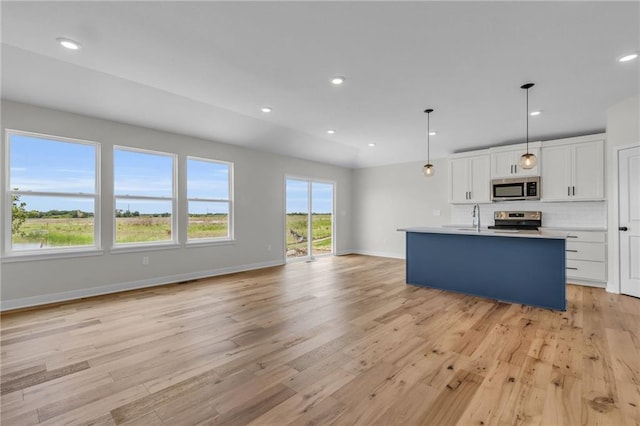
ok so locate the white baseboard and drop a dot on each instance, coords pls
(378, 254)
(27, 302)
(344, 252)
(587, 283)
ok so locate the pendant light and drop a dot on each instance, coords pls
(528, 160)
(427, 169)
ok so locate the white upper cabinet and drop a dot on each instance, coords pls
(573, 169)
(469, 178)
(505, 160)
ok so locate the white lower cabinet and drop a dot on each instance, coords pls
(586, 257)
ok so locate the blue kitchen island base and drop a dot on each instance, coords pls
(530, 271)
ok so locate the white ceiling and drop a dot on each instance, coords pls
(205, 69)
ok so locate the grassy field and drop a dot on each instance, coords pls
(61, 232)
(55, 233)
(321, 237)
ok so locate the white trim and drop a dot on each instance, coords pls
(138, 247)
(132, 285)
(310, 181)
(598, 284)
(29, 256)
(7, 244)
(175, 237)
(378, 254)
(613, 237)
(345, 252)
(230, 200)
(207, 242)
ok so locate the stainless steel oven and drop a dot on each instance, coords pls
(522, 188)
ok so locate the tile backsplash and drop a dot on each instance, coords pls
(584, 214)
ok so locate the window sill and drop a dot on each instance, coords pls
(208, 243)
(31, 256)
(142, 247)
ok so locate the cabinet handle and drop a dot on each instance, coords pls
(574, 190)
(568, 190)
(470, 197)
(573, 251)
(623, 228)
(575, 269)
(515, 168)
(512, 169)
(572, 236)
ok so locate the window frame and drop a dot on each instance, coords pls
(229, 201)
(134, 246)
(52, 252)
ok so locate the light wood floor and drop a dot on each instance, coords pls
(339, 341)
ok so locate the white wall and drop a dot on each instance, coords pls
(259, 213)
(390, 197)
(623, 129)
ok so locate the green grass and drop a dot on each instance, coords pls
(214, 226)
(320, 234)
(142, 229)
(61, 232)
(56, 232)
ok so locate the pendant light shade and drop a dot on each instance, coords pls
(528, 160)
(428, 169)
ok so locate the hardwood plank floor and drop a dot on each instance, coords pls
(342, 341)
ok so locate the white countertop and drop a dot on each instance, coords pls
(485, 232)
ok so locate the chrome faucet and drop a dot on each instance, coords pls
(476, 217)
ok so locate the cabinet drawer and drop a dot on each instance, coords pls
(586, 270)
(585, 251)
(586, 236)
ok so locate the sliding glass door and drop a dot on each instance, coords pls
(309, 218)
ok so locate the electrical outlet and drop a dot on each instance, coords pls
(145, 260)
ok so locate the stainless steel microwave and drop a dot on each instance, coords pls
(522, 188)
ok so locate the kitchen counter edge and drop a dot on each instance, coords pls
(485, 232)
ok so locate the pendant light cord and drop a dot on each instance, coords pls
(428, 157)
(527, 120)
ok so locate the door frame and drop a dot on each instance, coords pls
(613, 237)
(334, 218)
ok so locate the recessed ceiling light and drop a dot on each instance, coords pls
(331, 131)
(433, 133)
(337, 80)
(371, 145)
(68, 43)
(266, 109)
(627, 58)
(534, 113)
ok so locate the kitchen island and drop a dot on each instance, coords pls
(525, 267)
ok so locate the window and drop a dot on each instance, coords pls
(144, 196)
(53, 188)
(309, 218)
(209, 199)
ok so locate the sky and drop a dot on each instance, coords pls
(43, 165)
(298, 193)
(54, 166)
